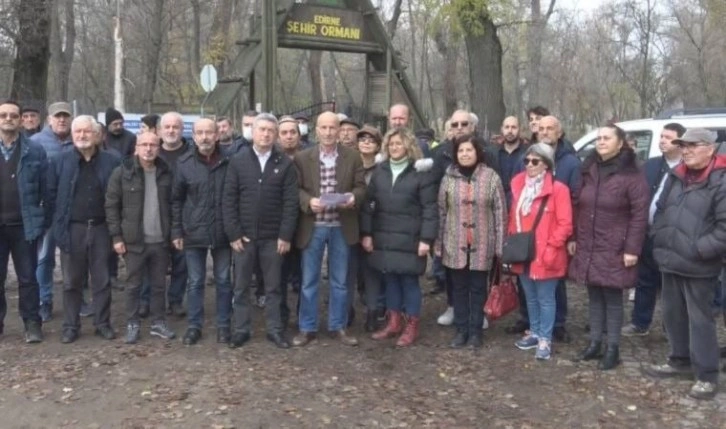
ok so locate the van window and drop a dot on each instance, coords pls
(643, 139)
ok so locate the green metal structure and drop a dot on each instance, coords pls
(328, 25)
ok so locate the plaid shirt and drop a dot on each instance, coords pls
(8, 151)
(329, 216)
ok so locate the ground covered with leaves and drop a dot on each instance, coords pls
(155, 384)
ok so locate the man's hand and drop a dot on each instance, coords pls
(630, 260)
(571, 247)
(283, 247)
(237, 246)
(315, 205)
(119, 248)
(178, 244)
(423, 249)
(350, 203)
(367, 243)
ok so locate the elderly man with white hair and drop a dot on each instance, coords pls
(77, 186)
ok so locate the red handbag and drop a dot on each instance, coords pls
(503, 298)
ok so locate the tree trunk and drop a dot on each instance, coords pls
(392, 24)
(30, 69)
(535, 36)
(448, 50)
(119, 98)
(196, 37)
(219, 40)
(61, 54)
(485, 70)
(151, 65)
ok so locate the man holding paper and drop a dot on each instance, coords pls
(332, 187)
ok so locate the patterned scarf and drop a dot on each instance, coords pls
(532, 188)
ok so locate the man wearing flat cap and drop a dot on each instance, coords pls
(348, 133)
(689, 229)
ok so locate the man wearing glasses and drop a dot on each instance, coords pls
(23, 216)
(138, 213)
(689, 229)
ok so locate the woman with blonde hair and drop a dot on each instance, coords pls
(399, 224)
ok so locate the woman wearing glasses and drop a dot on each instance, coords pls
(472, 219)
(610, 223)
(399, 224)
(541, 204)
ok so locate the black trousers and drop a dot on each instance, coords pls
(153, 261)
(25, 261)
(89, 250)
(468, 293)
(264, 253)
(291, 269)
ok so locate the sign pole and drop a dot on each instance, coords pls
(269, 51)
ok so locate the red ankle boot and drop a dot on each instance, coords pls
(392, 328)
(410, 332)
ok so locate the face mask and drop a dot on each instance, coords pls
(303, 129)
(247, 133)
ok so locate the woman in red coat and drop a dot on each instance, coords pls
(611, 216)
(530, 190)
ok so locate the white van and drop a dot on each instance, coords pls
(647, 133)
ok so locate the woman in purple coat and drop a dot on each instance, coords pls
(610, 220)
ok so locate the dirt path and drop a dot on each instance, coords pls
(99, 384)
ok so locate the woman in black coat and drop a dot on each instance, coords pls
(399, 225)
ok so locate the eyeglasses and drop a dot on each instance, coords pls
(366, 139)
(9, 115)
(534, 161)
(463, 124)
(687, 145)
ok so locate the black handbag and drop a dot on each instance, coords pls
(519, 247)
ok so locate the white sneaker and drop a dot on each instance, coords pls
(447, 318)
(485, 325)
(631, 295)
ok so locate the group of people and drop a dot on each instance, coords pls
(268, 205)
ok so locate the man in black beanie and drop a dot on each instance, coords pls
(117, 137)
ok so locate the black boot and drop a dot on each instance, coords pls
(371, 321)
(611, 359)
(459, 340)
(592, 351)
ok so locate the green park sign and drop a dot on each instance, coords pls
(325, 24)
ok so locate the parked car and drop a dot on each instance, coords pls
(646, 132)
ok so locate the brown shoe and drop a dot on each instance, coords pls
(344, 338)
(303, 339)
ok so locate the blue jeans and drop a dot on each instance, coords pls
(541, 304)
(403, 292)
(312, 260)
(196, 259)
(46, 263)
(560, 301)
(646, 291)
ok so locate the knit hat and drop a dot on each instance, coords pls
(544, 151)
(113, 115)
(150, 121)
